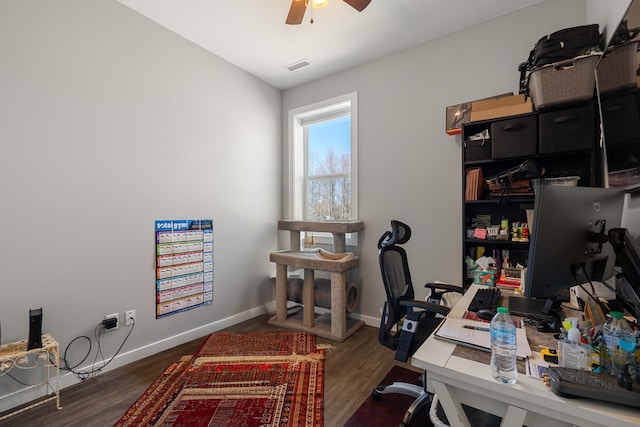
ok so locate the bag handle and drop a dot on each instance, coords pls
(564, 65)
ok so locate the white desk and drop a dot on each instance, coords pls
(529, 401)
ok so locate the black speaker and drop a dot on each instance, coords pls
(35, 329)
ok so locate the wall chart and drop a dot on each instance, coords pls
(184, 265)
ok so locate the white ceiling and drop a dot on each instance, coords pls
(252, 34)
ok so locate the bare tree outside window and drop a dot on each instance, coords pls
(328, 177)
(329, 189)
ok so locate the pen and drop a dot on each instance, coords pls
(476, 328)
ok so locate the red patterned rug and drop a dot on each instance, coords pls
(238, 379)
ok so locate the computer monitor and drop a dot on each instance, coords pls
(567, 244)
(628, 277)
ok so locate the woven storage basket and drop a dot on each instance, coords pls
(564, 82)
(617, 70)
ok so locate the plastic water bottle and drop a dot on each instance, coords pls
(503, 347)
(619, 343)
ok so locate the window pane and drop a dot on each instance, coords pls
(329, 198)
(329, 147)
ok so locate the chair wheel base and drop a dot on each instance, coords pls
(376, 395)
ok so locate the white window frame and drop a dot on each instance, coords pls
(299, 117)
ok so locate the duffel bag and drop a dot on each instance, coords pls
(565, 44)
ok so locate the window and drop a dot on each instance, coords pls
(327, 172)
(322, 162)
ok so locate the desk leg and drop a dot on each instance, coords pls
(281, 293)
(514, 417)
(308, 299)
(338, 305)
(451, 405)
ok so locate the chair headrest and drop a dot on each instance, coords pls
(400, 234)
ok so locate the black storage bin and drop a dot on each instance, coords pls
(515, 137)
(621, 120)
(567, 130)
(477, 150)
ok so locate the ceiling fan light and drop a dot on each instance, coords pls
(319, 3)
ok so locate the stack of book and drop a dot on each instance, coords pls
(508, 282)
(510, 277)
(519, 187)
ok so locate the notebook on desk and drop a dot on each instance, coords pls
(475, 334)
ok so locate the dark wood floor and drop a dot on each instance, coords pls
(352, 369)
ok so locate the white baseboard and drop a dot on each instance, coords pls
(22, 396)
(368, 320)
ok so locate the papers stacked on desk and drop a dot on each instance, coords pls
(475, 334)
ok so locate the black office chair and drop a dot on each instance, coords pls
(417, 319)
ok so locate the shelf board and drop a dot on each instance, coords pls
(496, 242)
(497, 161)
(503, 200)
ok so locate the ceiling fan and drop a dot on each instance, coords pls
(299, 7)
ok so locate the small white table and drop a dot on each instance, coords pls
(457, 380)
(16, 356)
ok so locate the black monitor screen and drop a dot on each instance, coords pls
(562, 251)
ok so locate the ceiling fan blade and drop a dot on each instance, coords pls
(358, 5)
(296, 12)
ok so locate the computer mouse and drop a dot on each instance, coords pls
(485, 314)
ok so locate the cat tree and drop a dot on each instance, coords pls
(334, 325)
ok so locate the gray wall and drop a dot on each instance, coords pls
(607, 14)
(107, 123)
(409, 169)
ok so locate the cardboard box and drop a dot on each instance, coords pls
(503, 101)
(457, 115)
(502, 111)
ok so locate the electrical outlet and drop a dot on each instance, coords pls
(129, 317)
(112, 316)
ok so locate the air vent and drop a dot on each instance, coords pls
(299, 64)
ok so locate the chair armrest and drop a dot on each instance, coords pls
(425, 305)
(444, 287)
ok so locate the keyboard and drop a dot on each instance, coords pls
(485, 299)
(577, 383)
